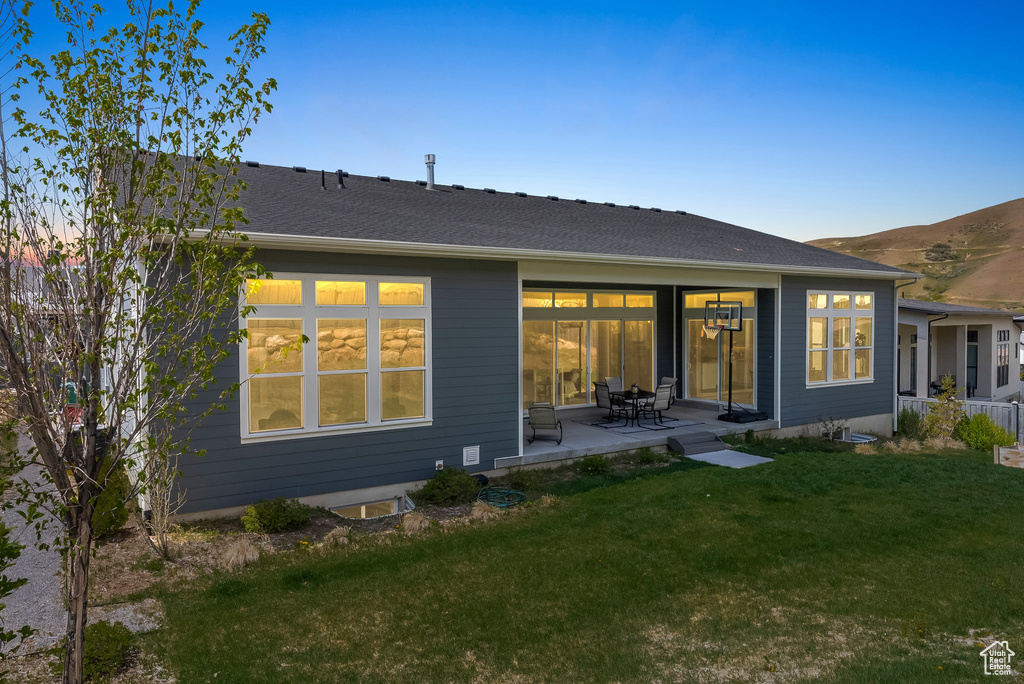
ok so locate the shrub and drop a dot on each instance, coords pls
(276, 515)
(414, 523)
(240, 553)
(107, 649)
(336, 538)
(593, 465)
(979, 432)
(111, 512)
(448, 487)
(910, 424)
(484, 511)
(524, 478)
(646, 456)
(944, 414)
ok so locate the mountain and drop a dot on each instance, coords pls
(975, 259)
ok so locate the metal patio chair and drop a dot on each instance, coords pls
(653, 408)
(616, 405)
(672, 395)
(542, 417)
(614, 384)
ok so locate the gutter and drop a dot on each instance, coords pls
(335, 244)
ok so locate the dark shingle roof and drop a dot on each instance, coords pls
(283, 201)
(940, 308)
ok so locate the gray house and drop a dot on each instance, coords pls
(978, 347)
(439, 313)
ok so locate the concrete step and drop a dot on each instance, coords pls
(696, 443)
(705, 448)
(698, 437)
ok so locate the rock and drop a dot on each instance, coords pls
(389, 358)
(337, 344)
(357, 342)
(397, 345)
(416, 342)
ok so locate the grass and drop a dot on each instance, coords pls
(832, 566)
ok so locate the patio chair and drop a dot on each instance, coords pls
(542, 417)
(614, 384)
(672, 395)
(615, 405)
(654, 407)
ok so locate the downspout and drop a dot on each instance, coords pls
(896, 353)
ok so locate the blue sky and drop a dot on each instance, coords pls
(805, 120)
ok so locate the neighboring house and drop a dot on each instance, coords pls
(979, 347)
(435, 313)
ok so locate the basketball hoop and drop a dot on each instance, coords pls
(711, 331)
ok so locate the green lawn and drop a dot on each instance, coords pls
(836, 567)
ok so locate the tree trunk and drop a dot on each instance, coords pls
(80, 525)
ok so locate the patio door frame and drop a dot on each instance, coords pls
(588, 315)
(722, 341)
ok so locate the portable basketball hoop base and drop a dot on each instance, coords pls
(728, 316)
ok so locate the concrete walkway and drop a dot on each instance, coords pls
(40, 602)
(730, 458)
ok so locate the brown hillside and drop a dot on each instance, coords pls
(977, 258)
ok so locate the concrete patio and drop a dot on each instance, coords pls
(580, 439)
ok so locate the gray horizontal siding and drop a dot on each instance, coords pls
(475, 367)
(802, 405)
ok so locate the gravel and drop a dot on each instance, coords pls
(40, 602)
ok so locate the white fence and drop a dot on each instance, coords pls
(1010, 417)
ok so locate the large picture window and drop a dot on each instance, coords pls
(1003, 358)
(365, 363)
(840, 337)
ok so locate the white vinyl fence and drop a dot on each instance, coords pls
(1010, 417)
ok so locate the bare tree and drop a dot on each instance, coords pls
(122, 260)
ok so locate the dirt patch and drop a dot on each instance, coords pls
(124, 564)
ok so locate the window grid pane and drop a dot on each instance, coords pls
(570, 300)
(342, 399)
(400, 294)
(275, 403)
(340, 293)
(270, 291)
(340, 344)
(535, 300)
(639, 301)
(401, 343)
(275, 346)
(863, 363)
(401, 395)
(606, 300)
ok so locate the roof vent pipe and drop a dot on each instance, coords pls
(429, 159)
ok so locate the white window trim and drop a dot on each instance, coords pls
(830, 313)
(309, 311)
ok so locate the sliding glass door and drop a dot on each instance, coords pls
(605, 352)
(538, 362)
(707, 360)
(599, 335)
(572, 363)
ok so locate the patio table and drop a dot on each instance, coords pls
(635, 399)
